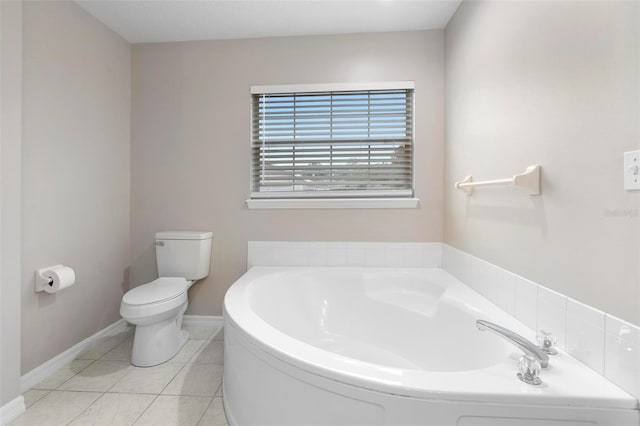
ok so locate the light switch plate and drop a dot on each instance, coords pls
(632, 170)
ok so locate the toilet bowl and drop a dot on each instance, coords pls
(157, 308)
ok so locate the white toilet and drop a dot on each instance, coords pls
(156, 308)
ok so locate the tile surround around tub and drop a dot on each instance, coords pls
(604, 343)
(284, 253)
(552, 315)
(622, 354)
(586, 334)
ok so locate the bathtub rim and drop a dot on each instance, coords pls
(266, 339)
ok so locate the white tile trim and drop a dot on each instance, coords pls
(44, 370)
(11, 410)
(372, 254)
(334, 203)
(202, 320)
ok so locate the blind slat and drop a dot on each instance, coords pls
(318, 143)
(336, 143)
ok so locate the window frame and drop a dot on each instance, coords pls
(332, 199)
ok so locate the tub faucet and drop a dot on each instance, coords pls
(525, 345)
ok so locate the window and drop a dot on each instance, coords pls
(332, 141)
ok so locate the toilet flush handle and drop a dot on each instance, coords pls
(160, 243)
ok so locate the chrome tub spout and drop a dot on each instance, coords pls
(525, 345)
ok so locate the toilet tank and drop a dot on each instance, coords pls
(183, 254)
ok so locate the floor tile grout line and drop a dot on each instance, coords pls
(33, 405)
(220, 332)
(88, 406)
(145, 410)
(121, 378)
(193, 395)
(190, 361)
(80, 371)
(173, 378)
(188, 394)
(202, 349)
(205, 410)
(105, 391)
(75, 374)
(197, 351)
(113, 348)
(112, 393)
(212, 335)
(217, 389)
(128, 335)
(160, 393)
(46, 391)
(133, 368)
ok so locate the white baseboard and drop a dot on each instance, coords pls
(11, 410)
(202, 320)
(47, 368)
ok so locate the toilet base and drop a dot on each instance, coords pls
(157, 343)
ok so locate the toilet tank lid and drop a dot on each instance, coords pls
(184, 235)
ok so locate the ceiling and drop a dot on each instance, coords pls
(143, 21)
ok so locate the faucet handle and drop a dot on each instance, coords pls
(529, 370)
(547, 342)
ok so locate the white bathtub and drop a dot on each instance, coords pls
(381, 346)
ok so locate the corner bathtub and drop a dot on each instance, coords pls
(387, 346)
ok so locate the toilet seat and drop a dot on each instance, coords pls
(157, 298)
(160, 290)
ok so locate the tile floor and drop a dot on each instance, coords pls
(101, 387)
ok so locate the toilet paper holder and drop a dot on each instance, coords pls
(43, 281)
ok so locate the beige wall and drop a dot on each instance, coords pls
(553, 83)
(10, 139)
(548, 83)
(75, 174)
(190, 144)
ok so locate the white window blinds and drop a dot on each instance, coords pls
(347, 143)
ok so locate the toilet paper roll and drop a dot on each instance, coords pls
(59, 278)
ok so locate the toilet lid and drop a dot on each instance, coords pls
(162, 289)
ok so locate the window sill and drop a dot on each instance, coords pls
(334, 203)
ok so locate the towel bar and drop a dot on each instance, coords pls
(529, 180)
